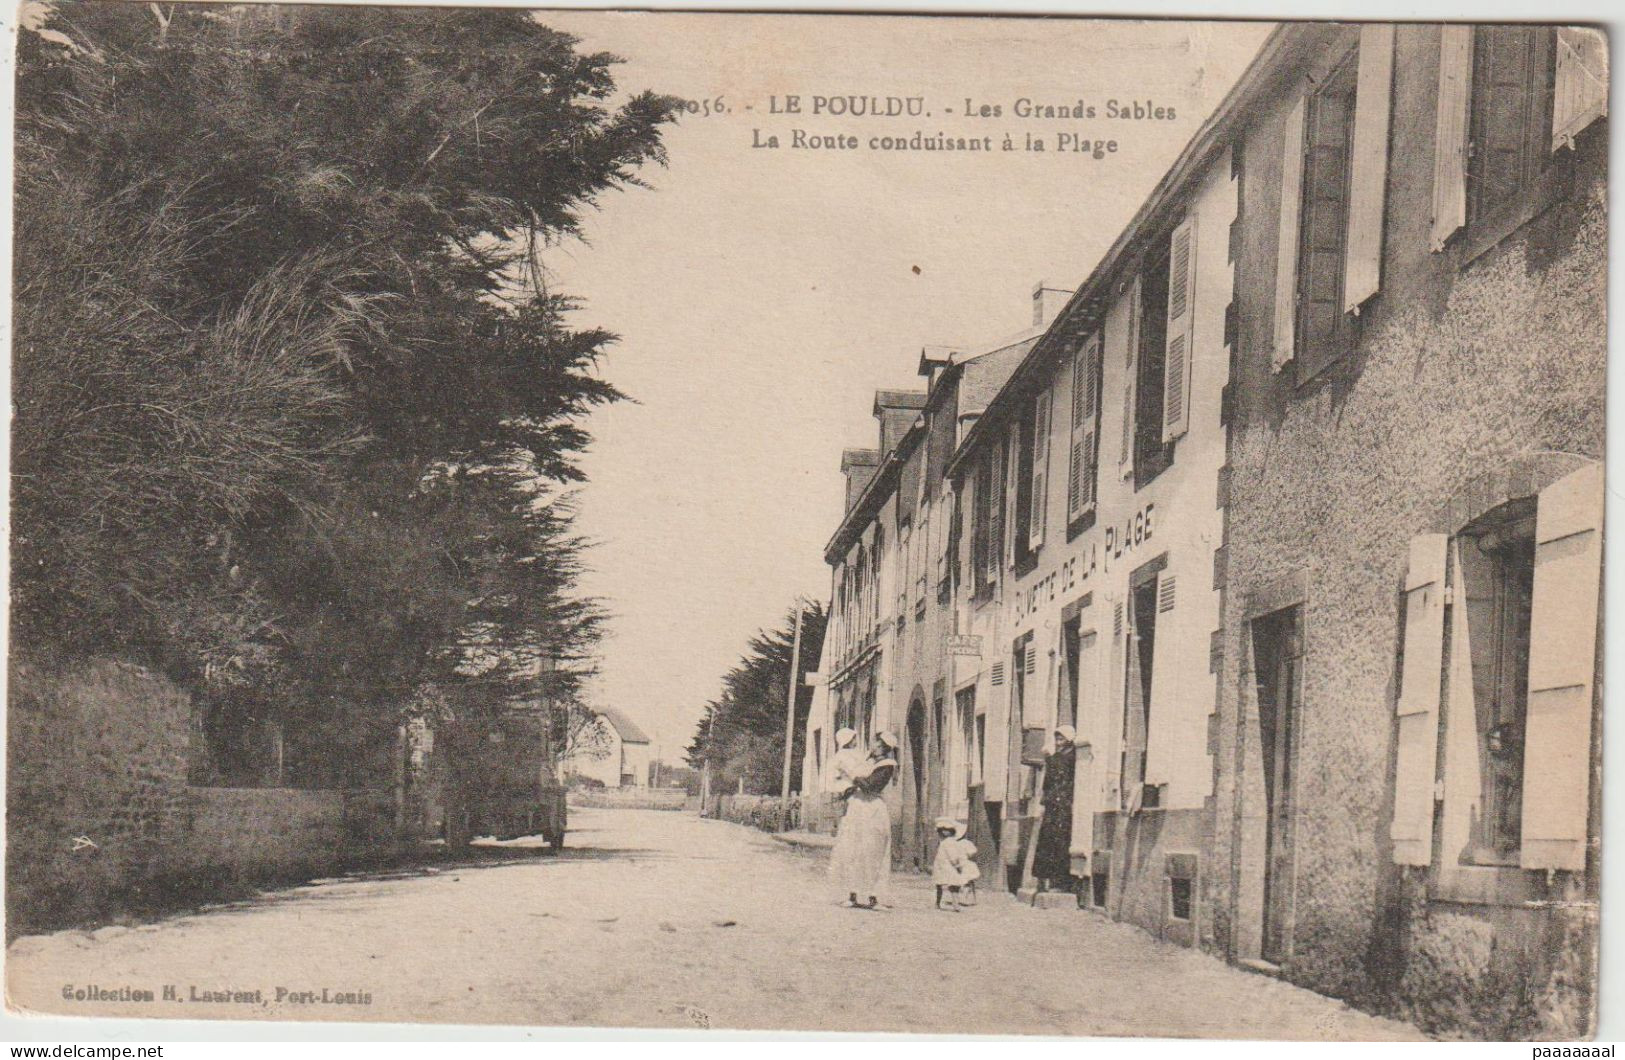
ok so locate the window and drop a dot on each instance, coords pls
(988, 531)
(1072, 657)
(1509, 96)
(818, 752)
(1038, 473)
(1509, 116)
(1025, 440)
(1324, 332)
(1083, 461)
(1334, 185)
(1151, 358)
(1497, 555)
(1523, 624)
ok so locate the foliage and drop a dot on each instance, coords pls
(741, 733)
(295, 410)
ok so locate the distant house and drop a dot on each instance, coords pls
(621, 760)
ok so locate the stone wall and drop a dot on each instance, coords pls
(245, 832)
(100, 820)
(95, 785)
(630, 798)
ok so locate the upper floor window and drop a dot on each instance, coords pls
(1334, 183)
(1324, 331)
(1157, 380)
(1031, 441)
(1083, 461)
(1510, 96)
(1510, 116)
(988, 516)
(1151, 454)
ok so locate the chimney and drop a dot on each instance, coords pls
(933, 359)
(1048, 301)
(859, 466)
(896, 410)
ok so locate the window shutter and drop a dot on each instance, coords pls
(1000, 502)
(1286, 254)
(1368, 184)
(1176, 379)
(1080, 495)
(1450, 136)
(1417, 737)
(1581, 90)
(1038, 502)
(1125, 457)
(1562, 667)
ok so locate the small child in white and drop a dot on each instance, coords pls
(954, 872)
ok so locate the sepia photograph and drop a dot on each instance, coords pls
(867, 523)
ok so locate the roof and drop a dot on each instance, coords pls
(1285, 46)
(624, 726)
(880, 486)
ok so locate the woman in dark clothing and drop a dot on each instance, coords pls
(1052, 862)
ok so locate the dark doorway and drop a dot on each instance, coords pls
(919, 833)
(1137, 704)
(1277, 659)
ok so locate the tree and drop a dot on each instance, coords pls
(741, 732)
(294, 404)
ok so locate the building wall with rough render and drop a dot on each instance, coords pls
(1478, 375)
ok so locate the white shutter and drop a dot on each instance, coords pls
(1125, 458)
(1176, 378)
(1580, 93)
(1417, 731)
(1450, 136)
(1080, 494)
(1087, 783)
(1012, 475)
(1038, 503)
(1286, 252)
(1368, 181)
(1562, 667)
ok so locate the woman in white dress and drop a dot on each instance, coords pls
(861, 861)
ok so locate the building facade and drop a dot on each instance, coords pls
(1294, 513)
(1407, 806)
(1090, 488)
(617, 757)
(891, 618)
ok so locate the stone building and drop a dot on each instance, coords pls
(1406, 808)
(891, 620)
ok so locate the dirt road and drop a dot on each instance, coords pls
(656, 919)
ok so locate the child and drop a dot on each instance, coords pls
(954, 871)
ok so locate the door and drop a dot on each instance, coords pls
(1277, 658)
(916, 809)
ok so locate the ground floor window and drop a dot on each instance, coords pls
(1497, 578)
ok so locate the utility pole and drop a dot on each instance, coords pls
(790, 714)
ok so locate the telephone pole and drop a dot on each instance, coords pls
(790, 715)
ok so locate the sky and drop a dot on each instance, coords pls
(763, 294)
